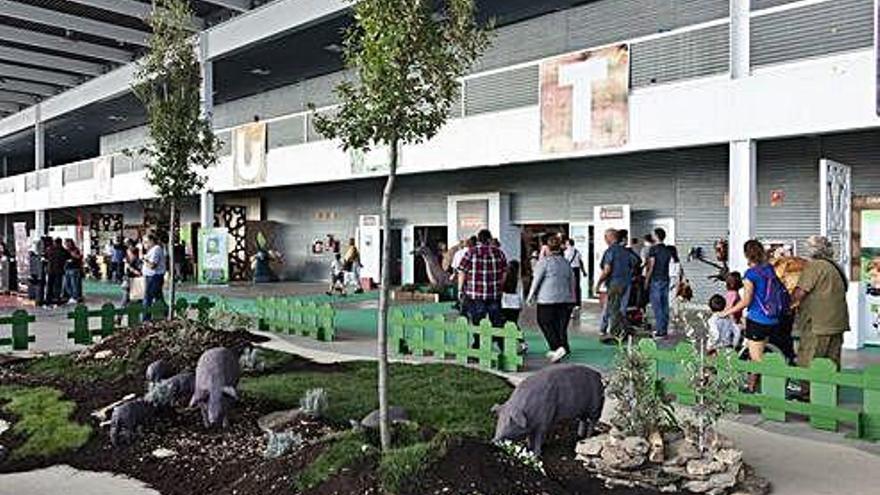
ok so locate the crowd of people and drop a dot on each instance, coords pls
(57, 268)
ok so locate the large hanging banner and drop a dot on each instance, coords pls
(585, 100)
(213, 256)
(22, 260)
(870, 273)
(249, 154)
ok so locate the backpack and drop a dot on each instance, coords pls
(776, 301)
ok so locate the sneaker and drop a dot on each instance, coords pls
(660, 336)
(549, 354)
(71, 301)
(558, 355)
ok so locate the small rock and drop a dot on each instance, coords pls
(722, 480)
(717, 441)
(591, 447)
(685, 450)
(163, 453)
(697, 486)
(729, 456)
(279, 420)
(279, 444)
(703, 467)
(105, 354)
(636, 446)
(616, 457)
(4, 425)
(396, 414)
(657, 452)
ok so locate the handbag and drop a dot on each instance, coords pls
(137, 288)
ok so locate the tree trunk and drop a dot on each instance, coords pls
(170, 267)
(382, 331)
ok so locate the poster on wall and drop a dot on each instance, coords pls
(213, 256)
(472, 215)
(249, 154)
(606, 217)
(104, 177)
(373, 161)
(870, 272)
(585, 100)
(22, 260)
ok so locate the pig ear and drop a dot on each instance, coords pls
(230, 391)
(519, 418)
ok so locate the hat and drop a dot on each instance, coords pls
(819, 247)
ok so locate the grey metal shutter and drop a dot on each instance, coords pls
(525, 41)
(792, 166)
(812, 31)
(286, 132)
(861, 151)
(501, 91)
(764, 4)
(681, 56)
(608, 21)
(594, 24)
(701, 214)
(225, 139)
(121, 164)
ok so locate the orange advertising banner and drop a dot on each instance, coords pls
(585, 100)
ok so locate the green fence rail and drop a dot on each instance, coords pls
(291, 315)
(19, 322)
(109, 317)
(824, 410)
(492, 348)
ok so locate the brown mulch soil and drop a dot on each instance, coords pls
(231, 461)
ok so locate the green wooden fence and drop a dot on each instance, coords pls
(824, 410)
(19, 321)
(107, 316)
(293, 316)
(492, 348)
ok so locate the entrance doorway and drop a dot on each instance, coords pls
(434, 238)
(532, 236)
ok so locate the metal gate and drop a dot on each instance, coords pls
(835, 183)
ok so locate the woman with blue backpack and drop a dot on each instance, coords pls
(767, 305)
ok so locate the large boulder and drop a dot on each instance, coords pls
(591, 447)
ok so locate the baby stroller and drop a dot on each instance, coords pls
(637, 306)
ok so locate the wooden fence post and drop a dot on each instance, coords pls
(823, 392)
(134, 314)
(326, 325)
(463, 335)
(510, 359)
(80, 334)
(870, 423)
(108, 319)
(20, 338)
(395, 332)
(772, 369)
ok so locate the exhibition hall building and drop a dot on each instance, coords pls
(717, 120)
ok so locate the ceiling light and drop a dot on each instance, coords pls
(260, 71)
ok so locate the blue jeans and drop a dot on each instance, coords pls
(152, 292)
(477, 309)
(659, 297)
(71, 284)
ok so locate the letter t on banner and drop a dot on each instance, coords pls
(580, 77)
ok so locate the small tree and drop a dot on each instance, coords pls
(408, 58)
(181, 142)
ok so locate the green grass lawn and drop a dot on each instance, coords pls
(444, 397)
(44, 419)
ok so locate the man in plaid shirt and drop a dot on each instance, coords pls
(480, 275)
